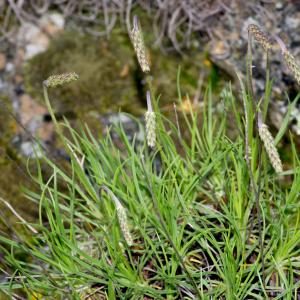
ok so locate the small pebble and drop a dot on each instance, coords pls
(2, 61)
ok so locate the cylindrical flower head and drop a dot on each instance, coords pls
(137, 40)
(260, 37)
(61, 79)
(289, 60)
(150, 128)
(269, 144)
(121, 213)
(292, 65)
(122, 217)
(150, 120)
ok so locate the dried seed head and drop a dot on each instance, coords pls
(121, 213)
(289, 60)
(260, 37)
(292, 65)
(269, 144)
(61, 79)
(150, 120)
(137, 40)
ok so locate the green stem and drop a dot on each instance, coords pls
(249, 69)
(267, 88)
(51, 112)
(256, 188)
(46, 97)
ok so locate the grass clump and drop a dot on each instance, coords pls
(185, 218)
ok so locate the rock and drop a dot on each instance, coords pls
(19, 58)
(29, 149)
(295, 117)
(2, 61)
(35, 38)
(52, 23)
(2, 85)
(32, 40)
(130, 126)
(9, 67)
(34, 49)
(119, 118)
(279, 5)
(293, 22)
(46, 131)
(19, 79)
(219, 49)
(31, 115)
(27, 33)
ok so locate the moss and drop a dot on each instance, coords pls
(165, 70)
(13, 170)
(110, 78)
(102, 66)
(8, 126)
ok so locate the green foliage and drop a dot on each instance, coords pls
(192, 217)
(201, 215)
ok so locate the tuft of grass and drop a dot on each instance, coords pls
(203, 222)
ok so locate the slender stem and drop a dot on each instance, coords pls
(58, 129)
(259, 212)
(249, 68)
(150, 86)
(259, 119)
(49, 105)
(250, 94)
(256, 189)
(135, 22)
(266, 100)
(281, 43)
(149, 104)
(177, 121)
